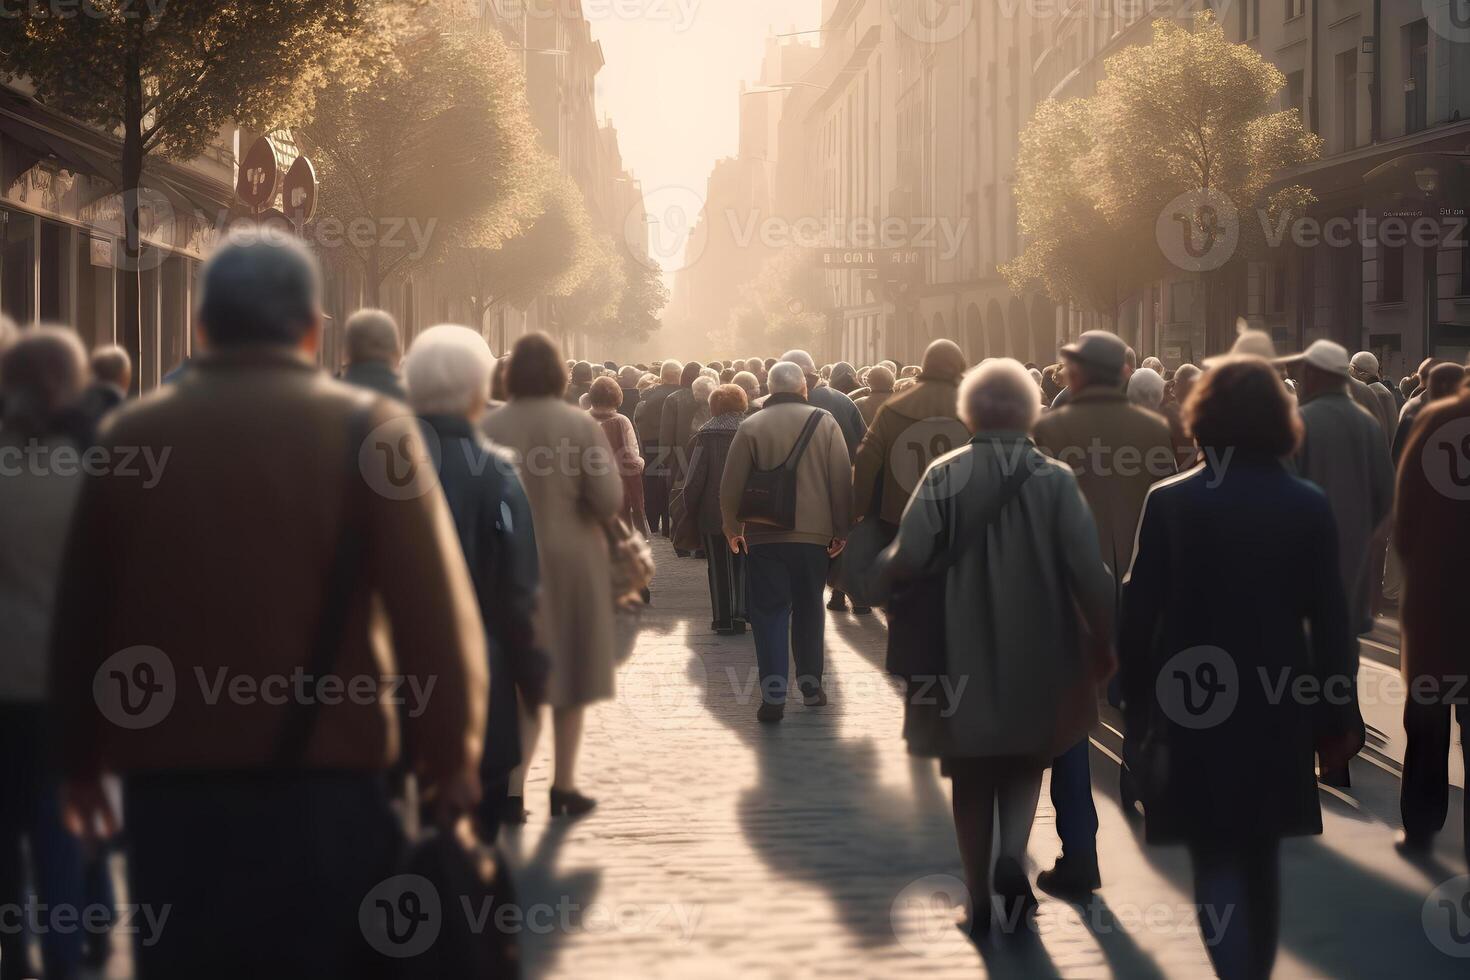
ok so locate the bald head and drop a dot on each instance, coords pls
(373, 337)
(944, 359)
(787, 378)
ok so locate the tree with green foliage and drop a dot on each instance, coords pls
(783, 307)
(1182, 132)
(169, 76)
(436, 144)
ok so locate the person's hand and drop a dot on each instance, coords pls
(455, 796)
(1334, 751)
(835, 548)
(737, 543)
(85, 808)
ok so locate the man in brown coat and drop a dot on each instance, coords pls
(1118, 451)
(1432, 534)
(787, 568)
(253, 639)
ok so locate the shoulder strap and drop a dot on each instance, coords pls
(803, 440)
(340, 585)
(1008, 492)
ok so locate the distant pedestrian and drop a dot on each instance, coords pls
(648, 421)
(787, 567)
(707, 454)
(1015, 690)
(580, 383)
(374, 349)
(574, 491)
(1146, 389)
(628, 379)
(1364, 367)
(880, 389)
(1231, 778)
(606, 397)
(112, 377)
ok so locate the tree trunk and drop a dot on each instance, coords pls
(130, 320)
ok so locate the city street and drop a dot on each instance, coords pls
(819, 848)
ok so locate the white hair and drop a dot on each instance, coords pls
(448, 367)
(786, 377)
(671, 373)
(1154, 364)
(1146, 388)
(801, 359)
(703, 387)
(748, 381)
(999, 396)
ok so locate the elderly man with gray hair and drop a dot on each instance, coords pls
(374, 348)
(293, 533)
(647, 420)
(787, 569)
(1023, 574)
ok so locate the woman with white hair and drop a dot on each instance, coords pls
(1146, 389)
(703, 387)
(1003, 531)
(448, 380)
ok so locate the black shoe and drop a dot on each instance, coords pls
(570, 803)
(1071, 878)
(862, 610)
(977, 927)
(1016, 899)
(738, 629)
(700, 555)
(680, 554)
(1414, 845)
(515, 810)
(769, 713)
(837, 603)
(814, 697)
(1128, 793)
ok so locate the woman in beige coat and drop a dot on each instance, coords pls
(572, 481)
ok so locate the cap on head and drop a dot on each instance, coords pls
(944, 359)
(1324, 355)
(1364, 362)
(1099, 351)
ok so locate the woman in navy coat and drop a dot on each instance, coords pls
(1237, 659)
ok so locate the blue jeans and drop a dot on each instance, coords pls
(784, 586)
(30, 814)
(1071, 797)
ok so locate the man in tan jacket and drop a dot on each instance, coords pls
(199, 654)
(1118, 451)
(787, 569)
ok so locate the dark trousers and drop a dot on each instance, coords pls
(30, 820)
(726, 572)
(263, 874)
(785, 583)
(655, 486)
(1238, 890)
(1424, 795)
(1071, 797)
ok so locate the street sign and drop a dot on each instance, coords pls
(259, 175)
(298, 192)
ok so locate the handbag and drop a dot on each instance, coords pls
(631, 559)
(685, 534)
(769, 496)
(852, 570)
(916, 610)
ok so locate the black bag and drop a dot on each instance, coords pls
(916, 610)
(685, 534)
(769, 496)
(852, 570)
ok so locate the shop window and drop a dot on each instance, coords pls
(173, 317)
(54, 297)
(1391, 274)
(18, 266)
(95, 301)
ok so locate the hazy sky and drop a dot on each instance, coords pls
(672, 81)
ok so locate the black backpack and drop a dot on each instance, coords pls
(769, 496)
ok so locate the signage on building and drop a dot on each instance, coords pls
(298, 192)
(101, 252)
(888, 260)
(260, 174)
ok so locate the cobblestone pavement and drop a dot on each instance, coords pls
(723, 848)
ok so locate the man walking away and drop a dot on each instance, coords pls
(1118, 451)
(112, 376)
(1343, 451)
(374, 348)
(236, 611)
(787, 568)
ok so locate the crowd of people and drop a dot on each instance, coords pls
(474, 527)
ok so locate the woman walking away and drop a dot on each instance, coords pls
(710, 446)
(448, 373)
(574, 490)
(42, 376)
(1015, 685)
(607, 402)
(1228, 763)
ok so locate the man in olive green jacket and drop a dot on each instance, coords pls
(1118, 451)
